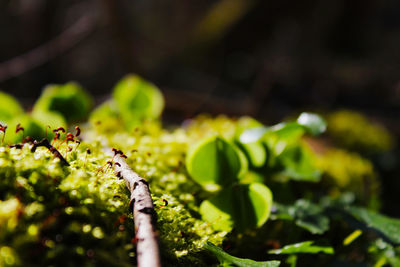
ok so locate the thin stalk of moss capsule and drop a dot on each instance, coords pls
(144, 216)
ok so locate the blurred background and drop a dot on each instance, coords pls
(267, 59)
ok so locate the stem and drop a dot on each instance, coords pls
(144, 216)
(44, 142)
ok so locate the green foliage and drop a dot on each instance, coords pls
(49, 121)
(137, 99)
(108, 109)
(385, 253)
(31, 127)
(36, 125)
(69, 100)
(214, 161)
(255, 153)
(314, 123)
(305, 214)
(243, 206)
(288, 157)
(298, 164)
(211, 180)
(389, 227)
(227, 260)
(303, 247)
(9, 107)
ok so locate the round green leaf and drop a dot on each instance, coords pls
(9, 107)
(298, 163)
(49, 121)
(218, 212)
(70, 100)
(288, 131)
(31, 128)
(242, 206)
(255, 152)
(138, 99)
(214, 161)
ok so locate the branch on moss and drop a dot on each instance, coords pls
(44, 142)
(144, 216)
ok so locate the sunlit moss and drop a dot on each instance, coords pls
(9, 214)
(80, 212)
(88, 201)
(205, 125)
(8, 257)
(347, 171)
(181, 233)
(354, 131)
(53, 201)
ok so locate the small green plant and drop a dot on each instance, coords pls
(18, 125)
(215, 163)
(69, 100)
(137, 98)
(9, 107)
(133, 101)
(287, 156)
(30, 127)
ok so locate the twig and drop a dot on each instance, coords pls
(44, 142)
(144, 216)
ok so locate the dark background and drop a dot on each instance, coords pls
(268, 59)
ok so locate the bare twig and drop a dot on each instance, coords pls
(44, 142)
(147, 249)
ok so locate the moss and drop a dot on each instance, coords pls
(345, 171)
(80, 212)
(182, 235)
(46, 207)
(354, 131)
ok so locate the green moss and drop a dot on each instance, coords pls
(72, 211)
(182, 235)
(345, 171)
(55, 205)
(354, 131)
(205, 126)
